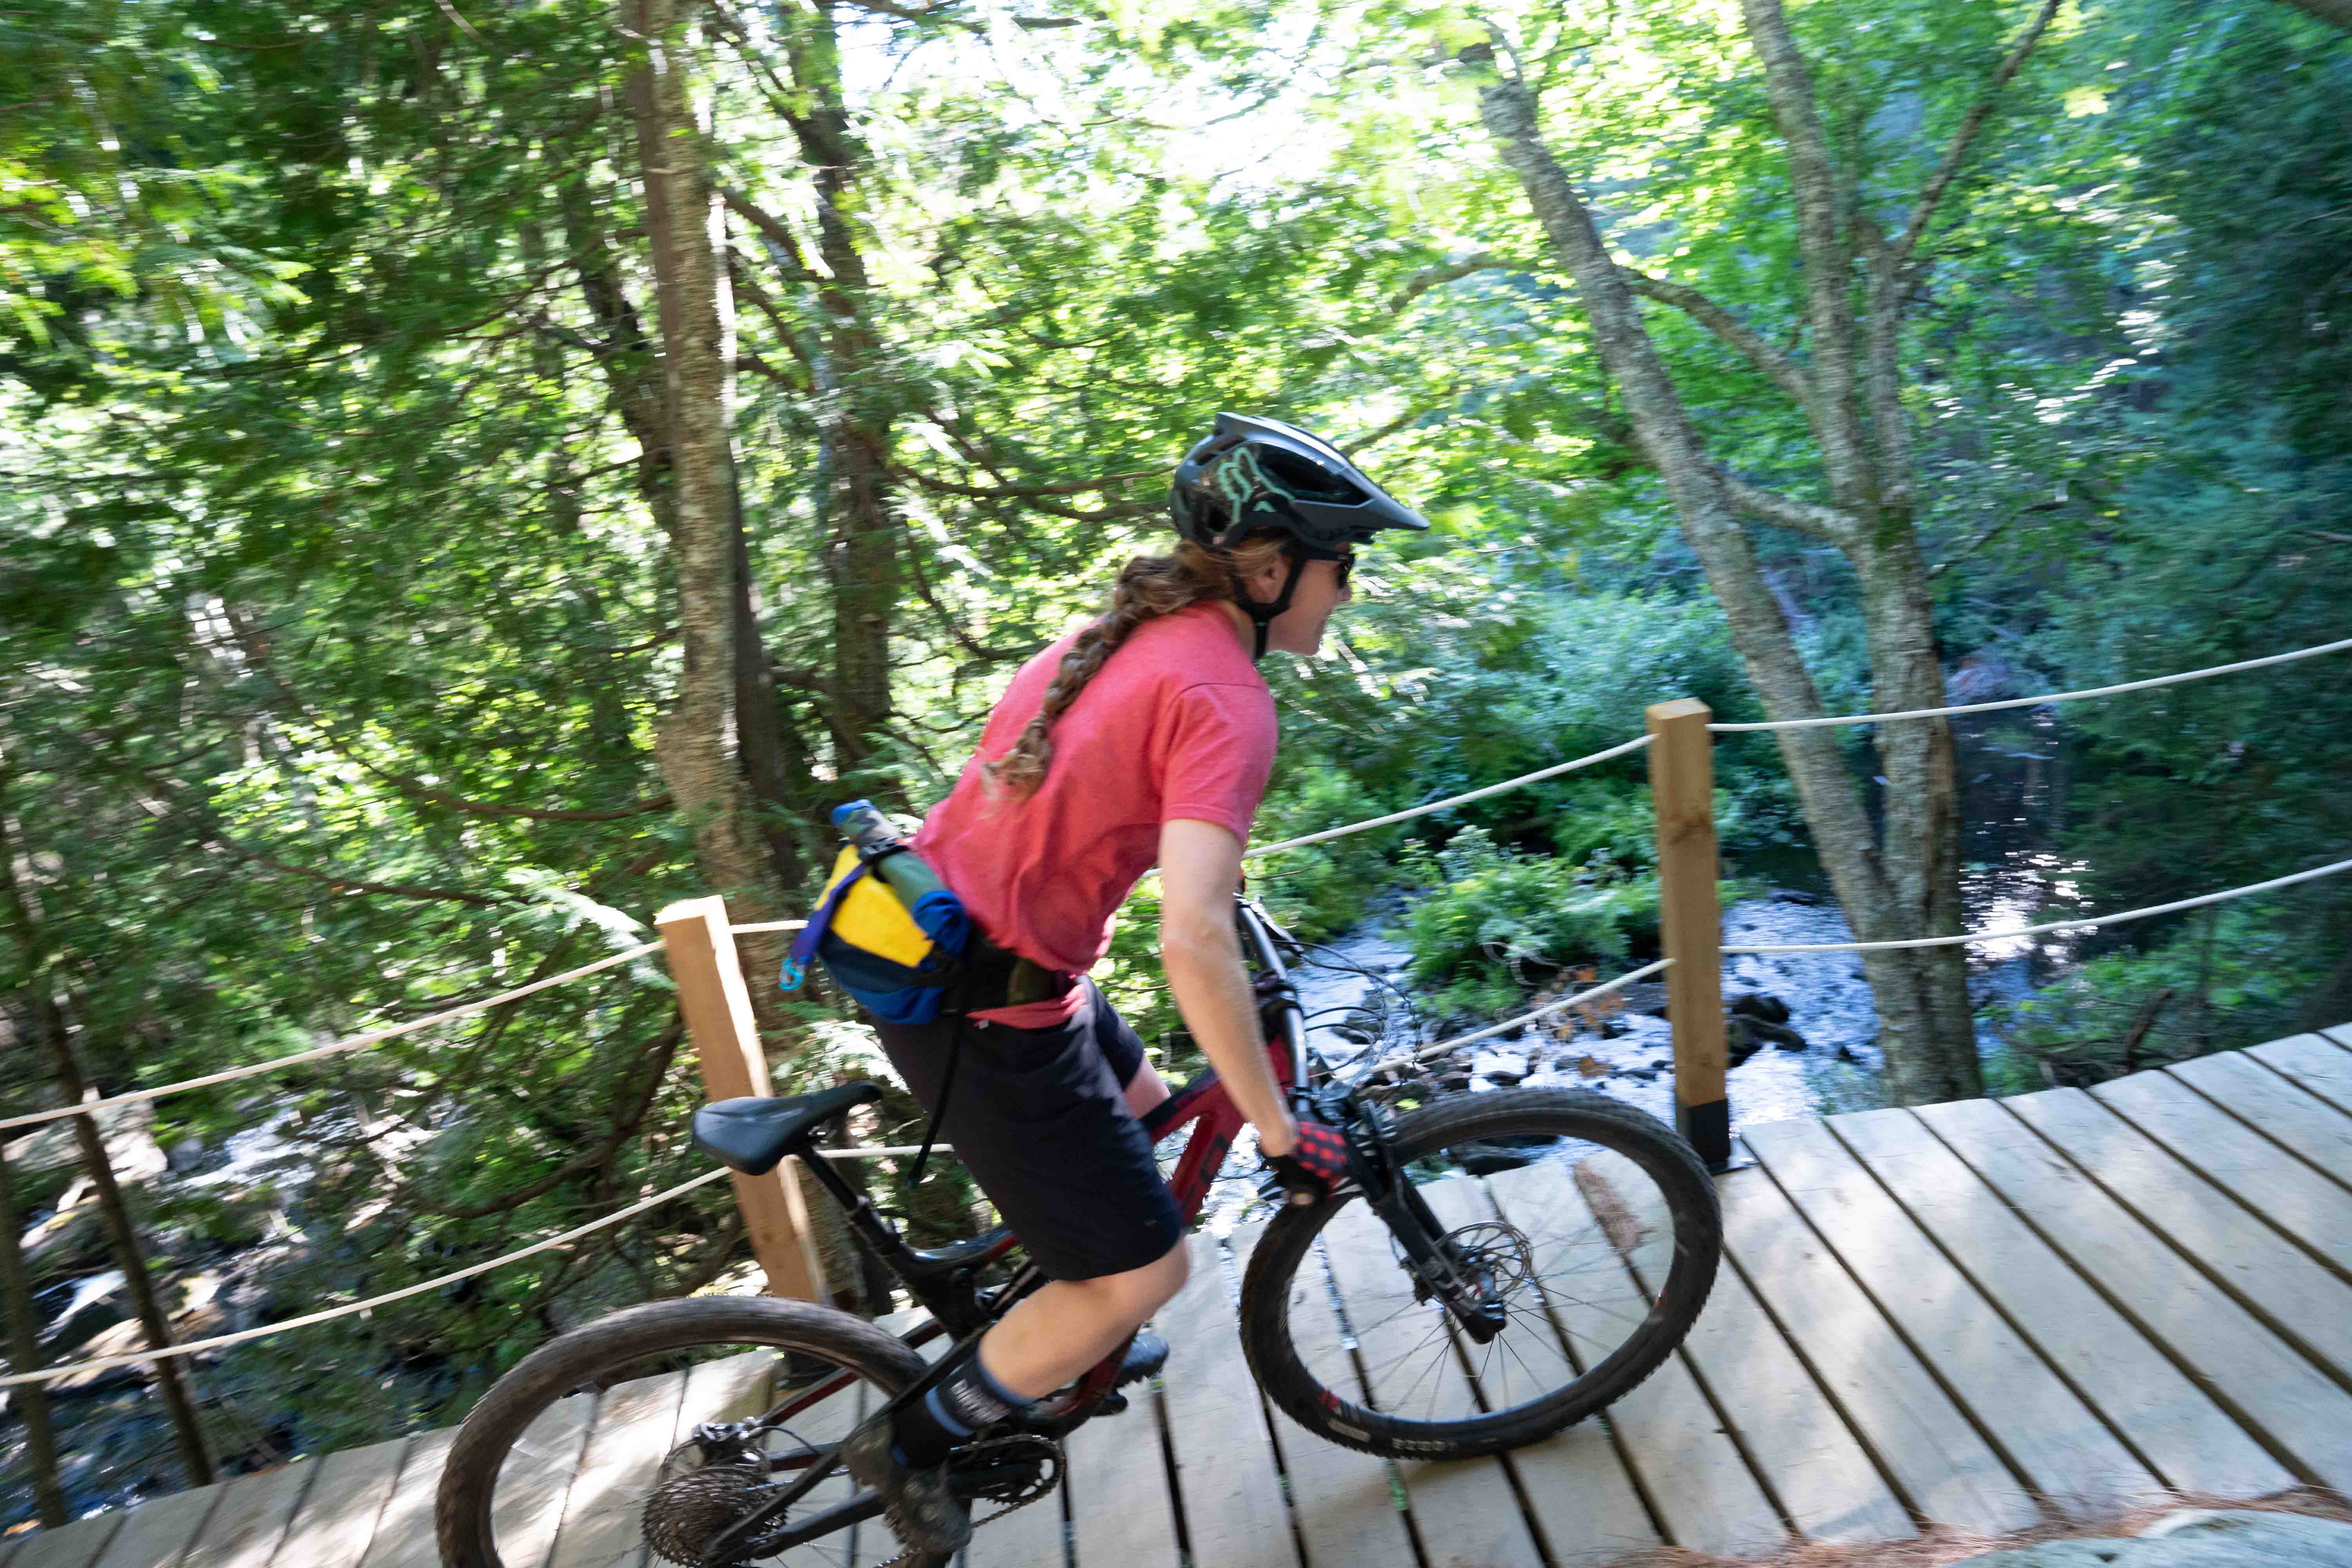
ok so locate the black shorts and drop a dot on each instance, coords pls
(1039, 1118)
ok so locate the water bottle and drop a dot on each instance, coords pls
(863, 825)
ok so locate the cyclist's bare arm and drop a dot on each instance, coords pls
(1200, 866)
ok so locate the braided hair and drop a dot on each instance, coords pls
(1149, 586)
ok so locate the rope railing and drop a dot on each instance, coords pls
(1427, 1053)
(2093, 924)
(359, 1042)
(351, 1309)
(2149, 684)
(1635, 744)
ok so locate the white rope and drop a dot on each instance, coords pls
(2046, 697)
(1966, 937)
(767, 925)
(193, 1347)
(887, 1151)
(1425, 1053)
(353, 1043)
(1618, 751)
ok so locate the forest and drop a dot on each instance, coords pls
(472, 474)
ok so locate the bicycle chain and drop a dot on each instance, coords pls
(1019, 1440)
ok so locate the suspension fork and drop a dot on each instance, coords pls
(1438, 1268)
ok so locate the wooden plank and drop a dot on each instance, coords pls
(252, 1519)
(535, 1477)
(1347, 1504)
(1216, 1425)
(1576, 1485)
(2320, 1065)
(403, 1532)
(2256, 1375)
(2067, 1454)
(157, 1534)
(2309, 1208)
(2193, 1445)
(75, 1546)
(2305, 1125)
(337, 1519)
(1945, 1470)
(2277, 1280)
(1705, 1495)
(820, 1428)
(601, 1525)
(1120, 1510)
(1464, 1509)
(1817, 1470)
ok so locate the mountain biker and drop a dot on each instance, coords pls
(1145, 736)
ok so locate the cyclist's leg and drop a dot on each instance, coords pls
(1052, 1338)
(1045, 1119)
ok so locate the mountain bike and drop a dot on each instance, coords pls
(1498, 1264)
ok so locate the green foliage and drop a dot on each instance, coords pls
(1493, 921)
(2229, 977)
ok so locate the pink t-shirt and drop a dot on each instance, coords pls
(1177, 722)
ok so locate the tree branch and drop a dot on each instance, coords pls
(1924, 209)
(1422, 282)
(1785, 373)
(772, 228)
(1036, 495)
(1827, 523)
(1822, 224)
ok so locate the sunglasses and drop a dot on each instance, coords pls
(1343, 562)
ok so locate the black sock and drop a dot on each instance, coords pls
(967, 1401)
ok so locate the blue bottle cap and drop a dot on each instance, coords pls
(842, 813)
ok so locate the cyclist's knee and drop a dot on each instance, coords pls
(1139, 1292)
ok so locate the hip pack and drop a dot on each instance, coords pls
(895, 961)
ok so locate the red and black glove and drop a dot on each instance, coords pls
(1315, 1167)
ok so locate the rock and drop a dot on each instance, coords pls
(1740, 1036)
(126, 1130)
(1592, 1067)
(1755, 1033)
(1506, 1067)
(2196, 1538)
(69, 1239)
(1454, 1080)
(1758, 1004)
(1645, 1074)
(185, 1155)
(1845, 1054)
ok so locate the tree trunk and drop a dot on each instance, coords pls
(49, 1021)
(700, 741)
(1901, 881)
(697, 742)
(25, 1355)
(862, 549)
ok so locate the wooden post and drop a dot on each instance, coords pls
(717, 1008)
(1690, 922)
(25, 1355)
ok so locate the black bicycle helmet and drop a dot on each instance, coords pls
(1253, 473)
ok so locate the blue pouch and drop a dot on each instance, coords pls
(894, 962)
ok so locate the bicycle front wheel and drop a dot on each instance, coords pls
(1594, 1221)
(586, 1454)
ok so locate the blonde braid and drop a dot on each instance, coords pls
(1148, 587)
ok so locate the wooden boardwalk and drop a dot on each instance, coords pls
(1980, 1314)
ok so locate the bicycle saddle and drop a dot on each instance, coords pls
(753, 1133)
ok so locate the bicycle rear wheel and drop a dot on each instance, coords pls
(585, 1453)
(1597, 1225)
